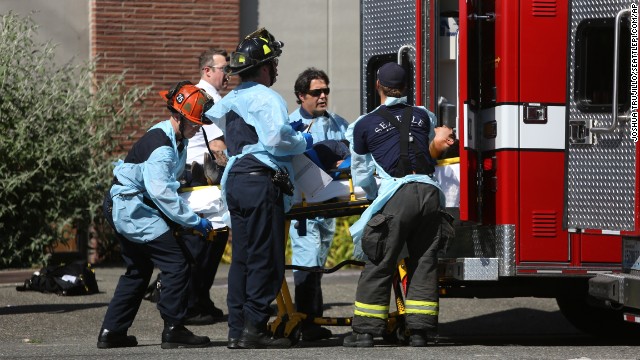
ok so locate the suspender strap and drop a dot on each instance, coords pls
(406, 139)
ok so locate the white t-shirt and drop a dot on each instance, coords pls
(197, 147)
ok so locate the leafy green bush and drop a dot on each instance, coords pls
(342, 247)
(59, 128)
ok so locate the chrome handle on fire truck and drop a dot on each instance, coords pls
(488, 16)
(614, 103)
(402, 49)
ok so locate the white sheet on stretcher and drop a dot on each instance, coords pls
(206, 201)
(337, 189)
(448, 176)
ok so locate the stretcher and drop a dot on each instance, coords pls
(339, 198)
(342, 198)
(206, 201)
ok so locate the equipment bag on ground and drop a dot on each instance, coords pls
(77, 278)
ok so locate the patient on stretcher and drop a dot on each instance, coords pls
(331, 155)
(334, 158)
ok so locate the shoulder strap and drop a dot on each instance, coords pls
(404, 164)
(406, 139)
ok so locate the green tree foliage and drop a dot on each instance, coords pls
(59, 128)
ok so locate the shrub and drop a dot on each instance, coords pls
(59, 128)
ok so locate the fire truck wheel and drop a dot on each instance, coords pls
(598, 321)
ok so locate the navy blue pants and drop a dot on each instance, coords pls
(207, 256)
(257, 261)
(140, 259)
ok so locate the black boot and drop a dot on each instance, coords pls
(357, 339)
(233, 344)
(308, 297)
(418, 338)
(252, 338)
(177, 336)
(109, 339)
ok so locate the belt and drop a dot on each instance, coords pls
(258, 173)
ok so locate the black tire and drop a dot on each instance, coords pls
(583, 312)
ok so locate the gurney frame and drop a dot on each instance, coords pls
(288, 322)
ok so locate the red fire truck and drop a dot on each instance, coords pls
(541, 94)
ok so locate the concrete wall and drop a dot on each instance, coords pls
(319, 33)
(63, 22)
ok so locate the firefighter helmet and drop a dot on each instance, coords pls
(189, 101)
(256, 48)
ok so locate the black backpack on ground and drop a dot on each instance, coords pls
(76, 278)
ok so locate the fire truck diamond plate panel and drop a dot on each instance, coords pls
(601, 176)
(386, 26)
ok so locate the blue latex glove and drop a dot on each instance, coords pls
(346, 164)
(309, 140)
(298, 125)
(203, 227)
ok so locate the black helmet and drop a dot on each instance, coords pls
(256, 48)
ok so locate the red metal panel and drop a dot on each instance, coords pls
(506, 51)
(505, 189)
(466, 193)
(542, 79)
(543, 51)
(600, 248)
(541, 237)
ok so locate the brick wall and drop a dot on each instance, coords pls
(158, 42)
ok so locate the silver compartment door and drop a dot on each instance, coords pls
(386, 26)
(600, 166)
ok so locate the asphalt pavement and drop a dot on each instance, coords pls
(34, 325)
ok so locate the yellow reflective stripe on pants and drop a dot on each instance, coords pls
(421, 307)
(369, 310)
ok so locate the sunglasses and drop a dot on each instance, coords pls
(317, 92)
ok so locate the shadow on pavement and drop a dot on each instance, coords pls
(48, 308)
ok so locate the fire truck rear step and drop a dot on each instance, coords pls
(621, 288)
(473, 269)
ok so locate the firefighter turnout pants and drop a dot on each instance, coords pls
(411, 216)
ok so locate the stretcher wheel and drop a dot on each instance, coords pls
(396, 331)
(294, 335)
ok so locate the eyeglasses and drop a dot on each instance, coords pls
(221, 68)
(317, 92)
(190, 123)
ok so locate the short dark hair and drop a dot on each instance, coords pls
(303, 82)
(388, 91)
(252, 73)
(206, 57)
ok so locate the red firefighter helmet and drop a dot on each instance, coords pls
(189, 101)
